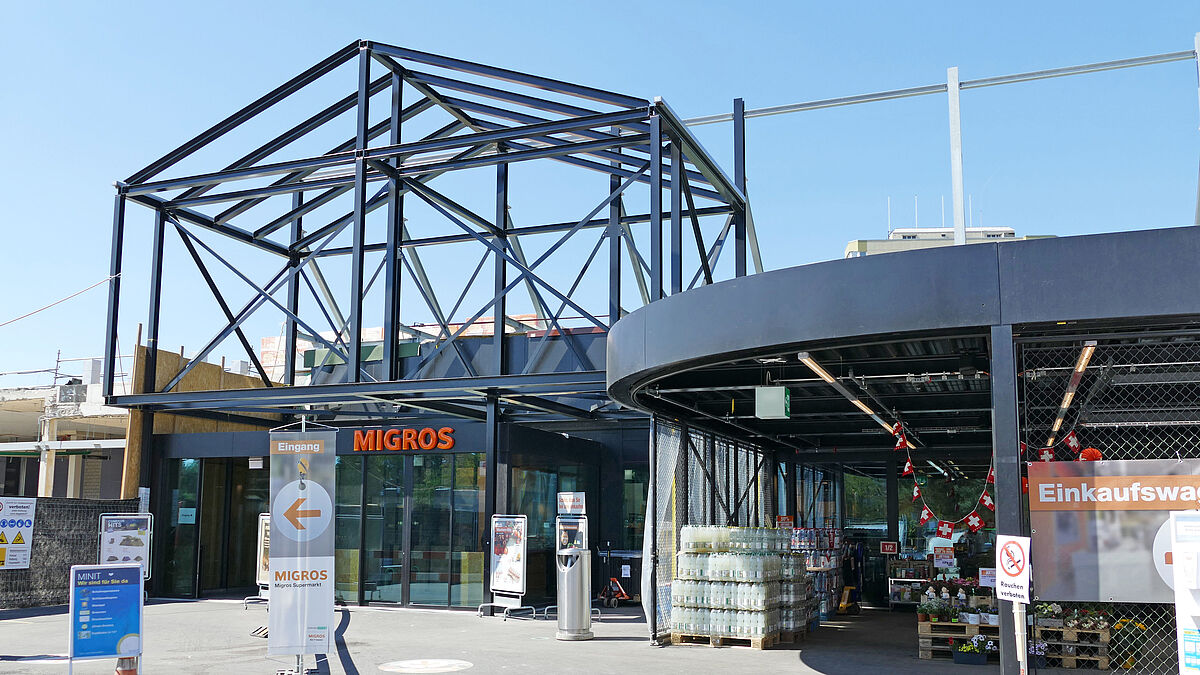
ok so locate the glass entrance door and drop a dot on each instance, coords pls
(424, 537)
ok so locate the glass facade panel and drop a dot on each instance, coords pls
(429, 555)
(383, 573)
(633, 510)
(178, 558)
(249, 495)
(466, 575)
(347, 515)
(211, 519)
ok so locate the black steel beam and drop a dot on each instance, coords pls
(544, 83)
(197, 218)
(116, 254)
(542, 384)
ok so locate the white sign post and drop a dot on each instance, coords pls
(16, 532)
(1012, 583)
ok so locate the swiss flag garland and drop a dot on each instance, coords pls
(974, 521)
(945, 528)
(926, 515)
(987, 500)
(1072, 442)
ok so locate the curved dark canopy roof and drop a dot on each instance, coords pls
(917, 312)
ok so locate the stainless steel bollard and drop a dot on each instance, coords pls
(574, 594)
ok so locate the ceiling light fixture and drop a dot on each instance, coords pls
(1085, 355)
(808, 360)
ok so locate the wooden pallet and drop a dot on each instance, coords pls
(1073, 635)
(950, 629)
(763, 642)
(937, 641)
(1078, 661)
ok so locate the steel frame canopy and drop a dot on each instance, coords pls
(481, 116)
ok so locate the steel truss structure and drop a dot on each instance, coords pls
(481, 117)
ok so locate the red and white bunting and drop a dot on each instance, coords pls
(916, 492)
(901, 440)
(1046, 454)
(974, 521)
(1072, 442)
(1024, 449)
(987, 501)
(945, 529)
(991, 478)
(926, 515)
(908, 467)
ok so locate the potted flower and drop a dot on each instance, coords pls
(935, 610)
(1049, 614)
(1037, 652)
(1125, 645)
(975, 650)
(923, 612)
(953, 614)
(967, 616)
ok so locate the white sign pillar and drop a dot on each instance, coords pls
(1185, 558)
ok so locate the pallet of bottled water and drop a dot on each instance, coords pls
(711, 538)
(719, 627)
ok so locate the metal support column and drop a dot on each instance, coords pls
(656, 252)
(893, 501)
(354, 343)
(1007, 458)
(114, 296)
(1197, 61)
(150, 364)
(792, 470)
(677, 178)
(614, 249)
(490, 476)
(739, 178)
(500, 305)
(395, 232)
(293, 300)
(652, 518)
(956, 165)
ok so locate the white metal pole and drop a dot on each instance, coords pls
(956, 165)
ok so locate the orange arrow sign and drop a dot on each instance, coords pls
(294, 513)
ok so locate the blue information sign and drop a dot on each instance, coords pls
(106, 611)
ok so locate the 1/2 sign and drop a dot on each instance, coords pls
(1012, 560)
(886, 547)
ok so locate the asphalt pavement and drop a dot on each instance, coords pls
(214, 636)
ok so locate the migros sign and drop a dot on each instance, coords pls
(370, 440)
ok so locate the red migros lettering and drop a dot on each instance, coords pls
(364, 440)
(301, 575)
(445, 438)
(426, 439)
(394, 439)
(391, 439)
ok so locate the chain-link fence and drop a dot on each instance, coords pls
(699, 478)
(1117, 398)
(66, 532)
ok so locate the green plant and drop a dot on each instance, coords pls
(1048, 610)
(1127, 639)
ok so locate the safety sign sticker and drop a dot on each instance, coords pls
(1012, 563)
(16, 532)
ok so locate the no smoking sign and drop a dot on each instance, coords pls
(1012, 559)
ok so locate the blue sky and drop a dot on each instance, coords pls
(94, 92)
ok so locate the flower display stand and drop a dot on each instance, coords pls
(934, 639)
(1075, 647)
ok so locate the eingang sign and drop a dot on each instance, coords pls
(1102, 528)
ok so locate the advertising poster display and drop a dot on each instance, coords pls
(300, 553)
(1103, 528)
(125, 539)
(16, 532)
(508, 554)
(106, 611)
(262, 572)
